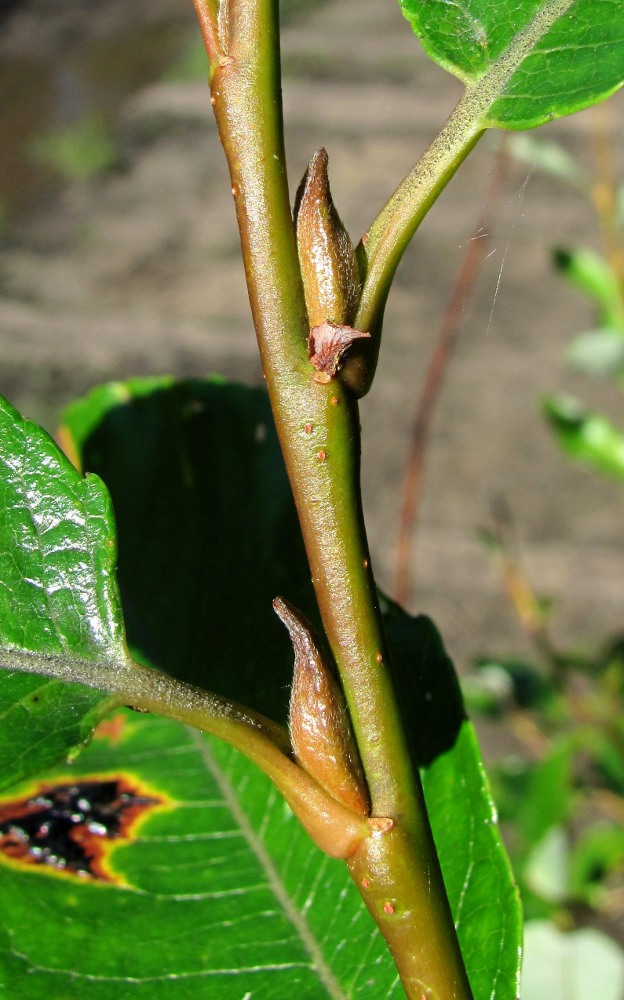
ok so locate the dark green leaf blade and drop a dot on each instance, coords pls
(58, 595)
(221, 894)
(531, 60)
(208, 533)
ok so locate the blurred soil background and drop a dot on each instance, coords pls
(119, 256)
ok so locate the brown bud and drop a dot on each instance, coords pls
(320, 729)
(329, 268)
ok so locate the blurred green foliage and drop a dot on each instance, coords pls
(561, 795)
(80, 151)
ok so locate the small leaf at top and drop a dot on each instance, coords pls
(530, 60)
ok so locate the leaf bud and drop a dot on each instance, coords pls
(327, 259)
(320, 728)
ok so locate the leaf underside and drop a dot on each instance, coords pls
(222, 893)
(534, 60)
(205, 910)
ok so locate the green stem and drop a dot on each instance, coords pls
(208, 16)
(318, 428)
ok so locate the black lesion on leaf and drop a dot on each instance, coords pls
(72, 827)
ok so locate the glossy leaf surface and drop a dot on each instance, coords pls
(57, 550)
(58, 595)
(533, 60)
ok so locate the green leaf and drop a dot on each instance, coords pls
(215, 884)
(57, 550)
(587, 437)
(58, 596)
(41, 721)
(526, 61)
(219, 894)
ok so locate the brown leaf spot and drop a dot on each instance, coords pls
(327, 344)
(111, 729)
(71, 828)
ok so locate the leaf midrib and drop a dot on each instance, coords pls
(486, 89)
